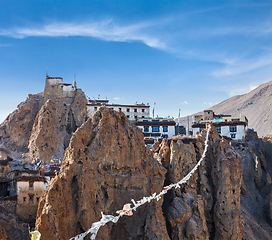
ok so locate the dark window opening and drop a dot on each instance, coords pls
(31, 199)
(143, 110)
(31, 184)
(165, 128)
(135, 109)
(24, 199)
(120, 109)
(155, 129)
(127, 109)
(146, 128)
(233, 135)
(95, 108)
(218, 130)
(233, 129)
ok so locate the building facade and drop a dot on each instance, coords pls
(233, 127)
(133, 112)
(155, 129)
(55, 88)
(29, 191)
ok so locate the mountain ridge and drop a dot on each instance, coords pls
(255, 105)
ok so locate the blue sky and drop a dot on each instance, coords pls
(186, 55)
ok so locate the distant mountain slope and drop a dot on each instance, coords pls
(255, 105)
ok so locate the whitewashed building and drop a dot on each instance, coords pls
(133, 112)
(29, 191)
(233, 127)
(155, 129)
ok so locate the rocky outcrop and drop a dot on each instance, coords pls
(105, 166)
(11, 227)
(256, 189)
(43, 127)
(208, 206)
(16, 129)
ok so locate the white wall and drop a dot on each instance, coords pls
(131, 114)
(67, 88)
(170, 132)
(239, 134)
(54, 81)
(23, 186)
(195, 130)
(225, 131)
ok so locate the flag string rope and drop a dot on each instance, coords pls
(127, 209)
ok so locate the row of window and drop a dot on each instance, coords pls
(156, 128)
(231, 129)
(128, 109)
(135, 110)
(31, 199)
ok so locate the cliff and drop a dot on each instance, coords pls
(256, 191)
(107, 164)
(11, 227)
(43, 126)
(208, 206)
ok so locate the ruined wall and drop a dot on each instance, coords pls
(55, 88)
(28, 199)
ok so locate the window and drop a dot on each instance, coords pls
(31, 198)
(127, 109)
(135, 109)
(142, 116)
(232, 129)
(38, 199)
(155, 129)
(164, 136)
(24, 199)
(218, 130)
(127, 116)
(233, 135)
(120, 109)
(165, 128)
(135, 117)
(31, 185)
(146, 128)
(142, 110)
(95, 108)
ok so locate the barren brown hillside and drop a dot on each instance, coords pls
(255, 105)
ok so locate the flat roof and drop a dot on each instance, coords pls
(117, 105)
(219, 124)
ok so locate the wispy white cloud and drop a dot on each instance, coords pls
(5, 45)
(209, 103)
(242, 66)
(238, 90)
(185, 102)
(116, 98)
(105, 30)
